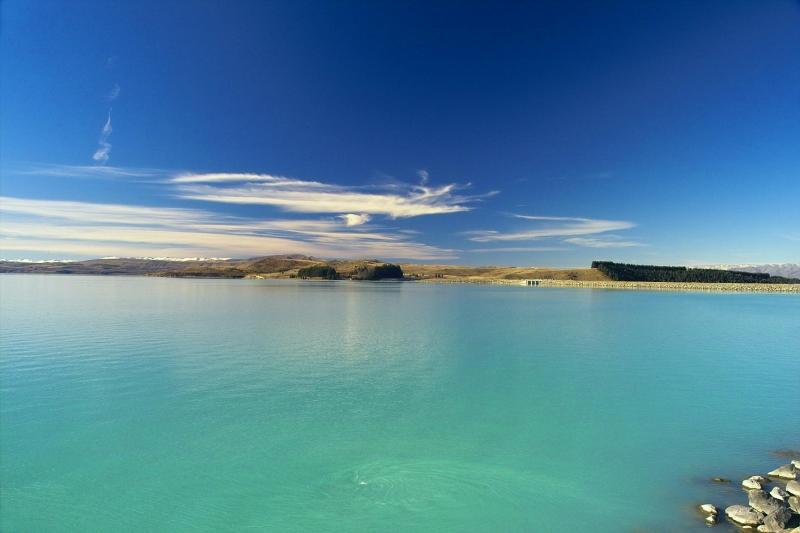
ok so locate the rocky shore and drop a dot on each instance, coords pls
(773, 502)
(668, 286)
(633, 285)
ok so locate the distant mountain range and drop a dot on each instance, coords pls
(786, 270)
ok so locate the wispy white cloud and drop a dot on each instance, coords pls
(88, 171)
(518, 249)
(291, 194)
(113, 94)
(97, 213)
(227, 177)
(94, 229)
(606, 241)
(102, 154)
(552, 227)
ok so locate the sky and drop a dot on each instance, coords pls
(517, 133)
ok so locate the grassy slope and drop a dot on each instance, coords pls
(467, 273)
(284, 266)
(446, 272)
(98, 266)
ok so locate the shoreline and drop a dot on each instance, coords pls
(540, 283)
(631, 285)
(771, 503)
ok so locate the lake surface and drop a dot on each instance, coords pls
(144, 404)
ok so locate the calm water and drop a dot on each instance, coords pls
(138, 404)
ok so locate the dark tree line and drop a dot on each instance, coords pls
(318, 271)
(627, 272)
(377, 272)
(361, 272)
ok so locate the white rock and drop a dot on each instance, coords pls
(776, 522)
(779, 494)
(744, 515)
(793, 487)
(753, 483)
(796, 463)
(711, 519)
(785, 472)
(707, 508)
(763, 502)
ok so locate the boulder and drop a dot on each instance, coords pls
(707, 508)
(779, 494)
(777, 522)
(796, 463)
(711, 519)
(785, 472)
(793, 487)
(763, 502)
(743, 515)
(753, 483)
(794, 503)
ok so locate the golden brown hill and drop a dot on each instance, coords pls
(488, 273)
(287, 266)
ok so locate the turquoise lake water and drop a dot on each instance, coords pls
(148, 404)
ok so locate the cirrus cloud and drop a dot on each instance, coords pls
(89, 171)
(304, 196)
(605, 241)
(102, 229)
(552, 227)
(102, 154)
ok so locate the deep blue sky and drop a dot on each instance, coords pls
(658, 132)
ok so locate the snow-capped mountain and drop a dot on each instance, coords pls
(786, 270)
